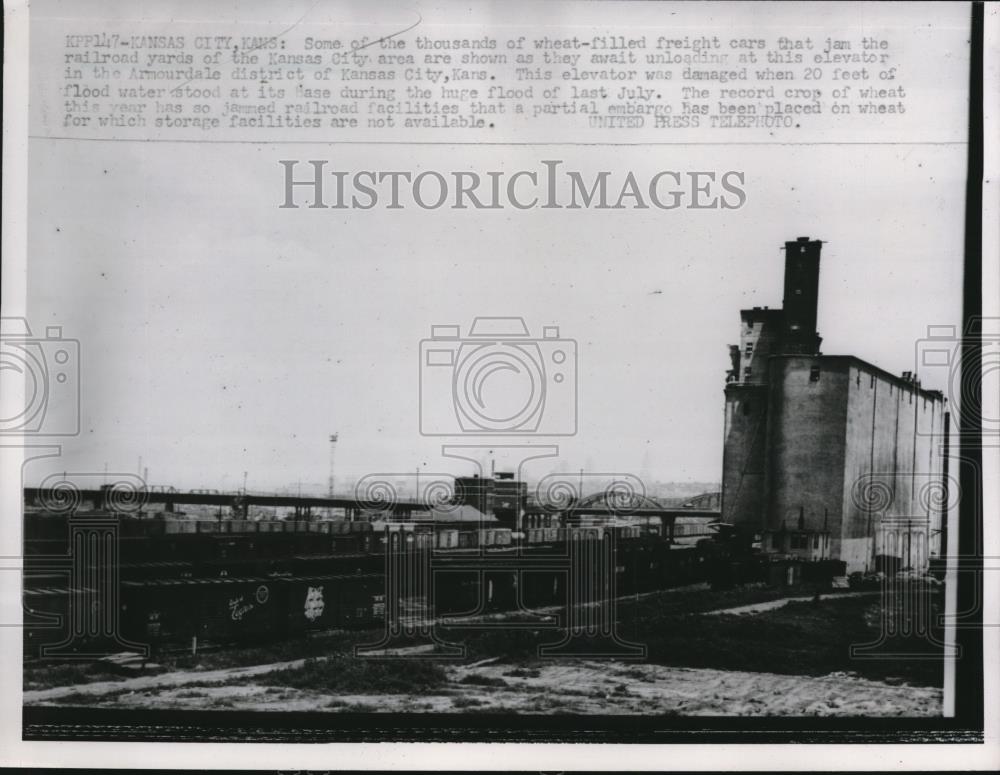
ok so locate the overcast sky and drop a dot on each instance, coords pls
(220, 334)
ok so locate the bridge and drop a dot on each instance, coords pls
(65, 498)
(631, 507)
(707, 500)
(124, 497)
(625, 503)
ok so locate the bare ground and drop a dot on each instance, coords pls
(525, 685)
(580, 687)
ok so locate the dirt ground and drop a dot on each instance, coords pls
(531, 685)
(580, 687)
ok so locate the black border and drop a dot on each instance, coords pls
(61, 723)
(969, 668)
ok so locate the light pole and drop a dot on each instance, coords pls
(330, 483)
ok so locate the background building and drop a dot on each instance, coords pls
(501, 496)
(828, 456)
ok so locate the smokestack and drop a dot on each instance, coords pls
(801, 295)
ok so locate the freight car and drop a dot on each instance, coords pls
(178, 612)
(242, 581)
(154, 548)
(641, 564)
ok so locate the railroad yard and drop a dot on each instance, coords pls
(749, 651)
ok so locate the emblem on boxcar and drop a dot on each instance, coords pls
(238, 608)
(263, 593)
(314, 603)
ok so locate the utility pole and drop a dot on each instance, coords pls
(330, 483)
